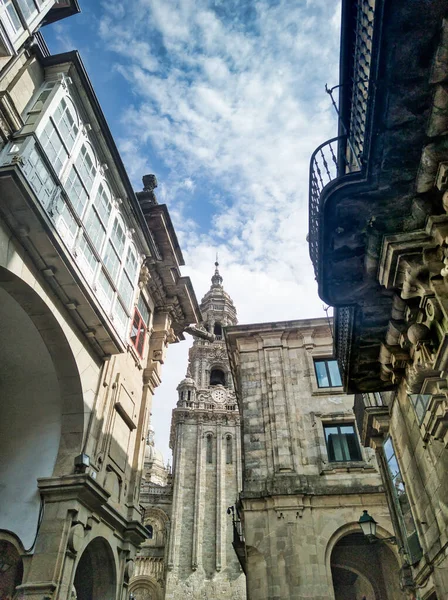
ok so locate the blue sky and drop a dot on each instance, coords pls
(224, 101)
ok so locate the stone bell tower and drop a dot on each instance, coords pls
(205, 438)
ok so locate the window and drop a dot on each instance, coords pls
(53, 146)
(138, 331)
(420, 403)
(96, 223)
(86, 167)
(342, 443)
(126, 287)
(401, 502)
(150, 531)
(10, 18)
(217, 330)
(28, 9)
(75, 191)
(66, 121)
(229, 457)
(209, 456)
(327, 373)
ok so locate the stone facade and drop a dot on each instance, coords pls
(378, 240)
(90, 297)
(302, 494)
(205, 438)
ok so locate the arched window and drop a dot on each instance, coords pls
(229, 457)
(150, 531)
(209, 456)
(189, 395)
(217, 377)
(217, 330)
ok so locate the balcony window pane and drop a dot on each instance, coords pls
(10, 18)
(112, 261)
(28, 9)
(106, 289)
(95, 229)
(53, 147)
(67, 226)
(66, 123)
(76, 191)
(121, 319)
(88, 258)
(126, 290)
(118, 236)
(103, 204)
(143, 310)
(86, 167)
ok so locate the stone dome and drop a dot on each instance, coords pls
(153, 455)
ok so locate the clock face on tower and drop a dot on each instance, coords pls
(219, 396)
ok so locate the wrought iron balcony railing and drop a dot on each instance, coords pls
(238, 542)
(346, 153)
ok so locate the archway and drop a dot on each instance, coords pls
(144, 587)
(11, 568)
(95, 577)
(41, 404)
(361, 569)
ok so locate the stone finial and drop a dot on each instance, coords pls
(217, 279)
(147, 197)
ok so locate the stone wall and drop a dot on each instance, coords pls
(297, 504)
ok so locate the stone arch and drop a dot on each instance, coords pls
(41, 403)
(357, 567)
(96, 572)
(144, 587)
(11, 563)
(159, 520)
(218, 374)
(345, 530)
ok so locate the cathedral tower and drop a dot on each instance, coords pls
(205, 437)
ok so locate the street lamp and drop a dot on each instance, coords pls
(368, 527)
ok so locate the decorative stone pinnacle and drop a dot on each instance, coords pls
(188, 374)
(217, 279)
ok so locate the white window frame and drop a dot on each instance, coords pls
(115, 305)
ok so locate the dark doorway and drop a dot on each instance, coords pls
(95, 577)
(11, 569)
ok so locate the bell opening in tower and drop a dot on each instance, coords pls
(217, 377)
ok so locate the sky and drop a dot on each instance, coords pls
(224, 101)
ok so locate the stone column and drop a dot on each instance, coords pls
(197, 500)
(177, 493)
(238, 470)
(219, 498)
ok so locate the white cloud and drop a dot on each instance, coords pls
(234, 105)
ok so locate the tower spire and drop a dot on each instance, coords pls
(216, 279)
